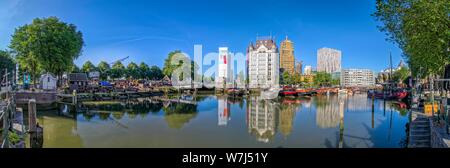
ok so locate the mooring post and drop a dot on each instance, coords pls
(32, 116)
(74, 97)
(373, 112)
(5, 128)
(36, 132)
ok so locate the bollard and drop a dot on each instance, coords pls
(36, 131)
(32, 115)
(74, 97)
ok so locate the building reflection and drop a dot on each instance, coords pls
(223, 110)
(286, 118)
(327, 112)
(358, 102)
(261, 119)
(330, 114)
(341, 100)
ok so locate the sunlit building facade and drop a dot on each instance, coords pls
(328, 60)
(287, 58)
(263, 64)
(357, 78)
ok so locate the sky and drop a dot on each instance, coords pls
(147, 31)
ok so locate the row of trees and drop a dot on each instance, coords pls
(50, 45)
(320, 79)
(421, 29)
(118, 70)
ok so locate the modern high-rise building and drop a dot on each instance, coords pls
(328, 60)
(298, 67)
(263, 64)
(287, 59)
(224, 77)
(357, 78)
(308, 70)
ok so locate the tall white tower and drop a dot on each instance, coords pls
(224, 75)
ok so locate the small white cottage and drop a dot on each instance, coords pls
(48, 82)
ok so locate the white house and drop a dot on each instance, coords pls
(263, 64)
(48, 82)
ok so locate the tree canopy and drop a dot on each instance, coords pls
(421, 29)
(168, 66)
(322, 79)
(47, 44)
(156, 73)
(118, 70)
(144, 71)
(133, 71)
(6, 61)
(104, 70)
(88, 67)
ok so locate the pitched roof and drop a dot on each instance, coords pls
(268, 43)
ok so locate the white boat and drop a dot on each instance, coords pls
(271, 93)
(343, 91)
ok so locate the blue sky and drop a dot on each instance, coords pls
(148, 30)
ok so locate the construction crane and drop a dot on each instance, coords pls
(120, 60)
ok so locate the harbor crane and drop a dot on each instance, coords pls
(119, 60)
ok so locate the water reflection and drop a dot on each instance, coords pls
(223, 110)
(323, 121)
(261, 118)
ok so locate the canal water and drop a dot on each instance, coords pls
(215, 121)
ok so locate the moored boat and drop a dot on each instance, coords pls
(288, 91)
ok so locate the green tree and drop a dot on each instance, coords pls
(156, 73)
(75, 69)
(144, 71)
(6, 62)
(322, 79)
(88, 67)
(421, 29)
(118, 70)
(104, 70)
(133, 71)
(168, 66)
(47, 44)
(286, 78)
(401, 74)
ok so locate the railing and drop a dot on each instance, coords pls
(6, 118)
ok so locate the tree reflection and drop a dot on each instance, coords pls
(118, 109)
(177, 115)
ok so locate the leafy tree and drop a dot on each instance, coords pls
(156, 73)
(322, 79)
(88, 67)
(6, 62)
(47, 44)
(104, 70)
(133, 71)
(168, 66)
(401, 74)
(75, 69)
(335, 82)
(144, 71)
(118, 70)
(286, 78)
(421, 29)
